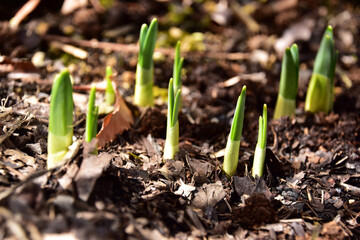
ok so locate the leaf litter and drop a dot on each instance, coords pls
(312, 173)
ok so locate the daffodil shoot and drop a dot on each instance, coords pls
(178, 63)
(109, 91)
(286, 101)
(92, 117)
(233, 143)
(143, 95)
(172, 128)
(60, 119)
(260, 150)
(320, 93)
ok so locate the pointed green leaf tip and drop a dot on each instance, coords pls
(289, 73)
(237, 124)
(286, 101)
(263, 128)
(178, 63)
(326, 56)
(173, 104)
(320, 93)
(147, 44)
(260, 150)
(172, 129)
(60, 118)
(92, 116)
(110, 97)
(61, 105)
(143, 95)
(231, 156)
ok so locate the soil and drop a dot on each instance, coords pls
(311, 186)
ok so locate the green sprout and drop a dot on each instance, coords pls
(92, 117)
(60, 119)
(172, 128)
(320, 93)
(178, 63)
(145, 67)
(109, 92)
(286, 101)
(233, 142)
(260, 150)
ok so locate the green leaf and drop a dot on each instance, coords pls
(260, 150)
(148, 47)
(110, 96)
(177, 65)
(143, 33)
(237, 124)
(91, 115)
(61, 105)
(170, 102)
(295, 55)
(176, 108)
(325, 56)
(289, 74)
(320, 93)
(264, 127)
(261, 124)
(60, 119)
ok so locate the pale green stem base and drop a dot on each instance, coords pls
(259, 161)
(319, 96)
(231, 157)
(57, 149)
(172, 141)
(284, 107)
(144, 87)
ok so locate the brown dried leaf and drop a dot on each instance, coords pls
(90, 170)
(116, 122)
(245, 186)
(209, 195)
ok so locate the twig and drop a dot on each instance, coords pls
(76, 52)
(133, 48)
(16, 125)
(24, 11)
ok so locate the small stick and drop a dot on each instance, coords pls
(69, 49)
(133, 48)
(24, 11)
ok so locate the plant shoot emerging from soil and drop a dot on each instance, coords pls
(260, 150)
(233, 142)
(92, 117)
(178, 63)
(60, 119)
(320, 93)
(145, 66)
(286, 101)
(109, 92)
(172, 128)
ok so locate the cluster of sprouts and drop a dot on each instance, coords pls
(319, 98)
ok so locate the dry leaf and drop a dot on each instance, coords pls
(90, 170)
(116, 122)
